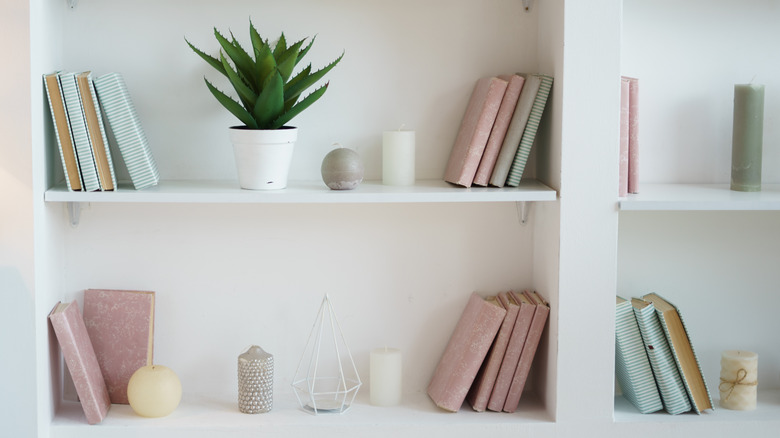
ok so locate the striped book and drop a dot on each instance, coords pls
(632, 366)
(529, 134)
(96, 131)
(78, 127)
(667, 377)
(59, 116)
(127, 131)
(682, 349)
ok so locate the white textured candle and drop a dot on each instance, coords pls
(738, 380)
(386, 370)
(398, 149)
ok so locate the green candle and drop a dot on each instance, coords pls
(747, 138)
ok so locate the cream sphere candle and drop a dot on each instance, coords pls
(154, 391)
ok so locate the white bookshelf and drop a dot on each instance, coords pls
(701, 197)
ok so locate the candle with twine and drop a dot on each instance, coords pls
(738, 380)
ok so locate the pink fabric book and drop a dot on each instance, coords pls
(623, 176)
(500, 127)
(529, 351)
(525, 315)
(633, 135)
(465, 352)
(479, 394)
(80, 358)
(474, 131)
(121, 326)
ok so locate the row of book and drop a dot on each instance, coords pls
(489, 355)
(628, 181)
(78, 105)
(103, 349)
(497, 130)
(655, 363)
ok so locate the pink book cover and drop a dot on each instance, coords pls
(633, 135)
(81, 360)
(474, 131)
(465, 352)
(121, 326)
(623, 176)
(483, 385)
(525, 315)
(500, 127)
(529, 351)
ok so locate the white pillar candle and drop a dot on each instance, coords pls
(385, 375)
(738, 380)
(398, 149)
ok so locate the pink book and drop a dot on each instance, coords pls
(525, 315)
(623, 176)
(474, 131)
(121, 326)
(529, 351)
(465, 352)
(500, 127)
(80, 358)
(483, 385)
(633, 135)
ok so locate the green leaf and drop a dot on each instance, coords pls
(246, 94)
(305, 82)
(243, 62)
(231, 105)
(212, 61)
(257, 41)
(286, 61)
(299, 107)
(281, 46)
(303, 52)
(264, 67)
(270, 102)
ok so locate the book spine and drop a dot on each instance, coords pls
(78, 127)
(623, 154)
(126, 128)
(500, 128)
(97, 136)
(632, 366)
(633, 135)
(529, 134)
(102, 129)
(83, 366)
(62, 132)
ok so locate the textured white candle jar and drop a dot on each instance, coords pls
(398, 149)
(386, 381)
(738, 380)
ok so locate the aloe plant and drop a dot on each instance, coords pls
(269, 95)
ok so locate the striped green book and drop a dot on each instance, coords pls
(529, 134)
(78, 127)
(126, 127)
(632, 367)
(670, 384)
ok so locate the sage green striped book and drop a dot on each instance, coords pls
(529, 134)
(78, 127)
(126, 127)
(632, 366)
(667, 377)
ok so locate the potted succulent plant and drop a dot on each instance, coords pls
(269, 96)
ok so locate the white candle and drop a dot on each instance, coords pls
(154, 391)
(398, 149)
(738, 380)
(386, 370)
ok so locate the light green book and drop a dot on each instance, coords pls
(529, 134)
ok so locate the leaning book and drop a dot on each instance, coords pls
(632, 366)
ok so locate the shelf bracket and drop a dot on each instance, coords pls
(74, 213)
(523, 207)
(526, 4)
(73, 3)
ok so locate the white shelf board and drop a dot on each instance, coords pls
(307, 192)
(208, 417)
(689, 197)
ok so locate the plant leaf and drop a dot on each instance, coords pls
(243, 62)
(246, 94)
(231, 105)
(303, 52)
(305, 82)
(257, 41)
(212, 61)
(286, 61)
(264, 67)
(270, 102)
(299, 107)
(281, 46)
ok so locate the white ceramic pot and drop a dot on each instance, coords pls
(263, 156)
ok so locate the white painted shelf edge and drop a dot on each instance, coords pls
(213, 191)
(700, 197)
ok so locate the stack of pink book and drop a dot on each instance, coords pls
(489, 355)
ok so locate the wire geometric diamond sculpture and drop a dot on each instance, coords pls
(326, 380)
